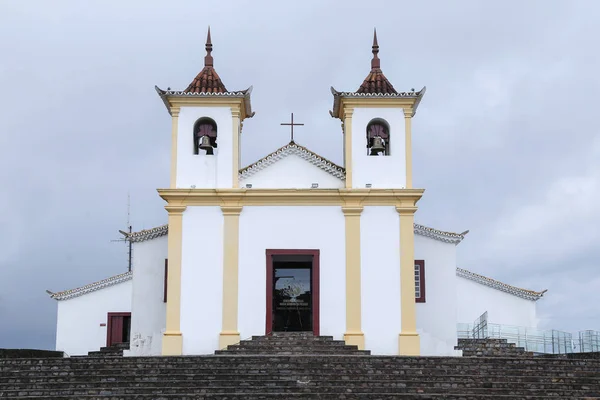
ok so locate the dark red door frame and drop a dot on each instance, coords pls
(314, 286)
(114, 327)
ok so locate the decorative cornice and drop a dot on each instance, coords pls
(338, 97)
(484, 280)
(92, 287)
(447, 237)
(295, 149)
(146, 234)
(167, 95)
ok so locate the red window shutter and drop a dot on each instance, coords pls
(165, 285)
(420, 281)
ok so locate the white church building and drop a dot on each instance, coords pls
(297, 243)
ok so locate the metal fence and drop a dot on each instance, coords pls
(535, 340)
(588, 341)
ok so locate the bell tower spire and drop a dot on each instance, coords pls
(375, 62)
(208, 60)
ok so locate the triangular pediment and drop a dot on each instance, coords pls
(295, 165)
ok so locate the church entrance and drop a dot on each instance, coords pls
(292, 291)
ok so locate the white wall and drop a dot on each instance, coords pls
(308, 227)
(78, 329)
(380, 279)
(503, 308)
(148, 309)
(380, 171)
(292, 172)
(204, 171)
(201, 279)
(436, 318)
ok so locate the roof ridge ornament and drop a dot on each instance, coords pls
(208, 59)
(375, 62)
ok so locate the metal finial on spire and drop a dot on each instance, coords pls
(375, 62)
(208, 60)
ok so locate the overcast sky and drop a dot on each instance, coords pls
(506, 140)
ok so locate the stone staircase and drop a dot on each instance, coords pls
(299, 367)
(116, 350)
(292, 343)
(490, 348)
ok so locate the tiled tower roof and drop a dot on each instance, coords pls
(207, 81)
(376, 82)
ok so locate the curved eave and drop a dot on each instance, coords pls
(146, 234)
(92, 287)
(172, 98)
(516, 291)
(442, 236)
(411, 99)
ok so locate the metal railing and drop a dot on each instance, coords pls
(531, 339)
(589, 341)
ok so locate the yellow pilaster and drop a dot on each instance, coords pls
(231, 233)
(408, 341)
(174, 128)
(235, 115)
(172, 343)
(354, 334)
(408, 114)
(348, 145)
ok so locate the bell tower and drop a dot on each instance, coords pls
(376, 123)
(205, 130)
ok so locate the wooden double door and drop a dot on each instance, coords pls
(118, 328)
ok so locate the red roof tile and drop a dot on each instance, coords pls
(376, 82)
(207, 81)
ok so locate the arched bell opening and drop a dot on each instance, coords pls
(378, 137)
(205, 135)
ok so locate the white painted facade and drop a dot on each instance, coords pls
(79, 319)
(201, 279)
(148, 310)
(437, 317)
(503, 308)
(311, 227)
(387, 172)
(201, 170)
(380, 278)
(292, 172)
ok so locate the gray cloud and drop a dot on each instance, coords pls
(505, 142)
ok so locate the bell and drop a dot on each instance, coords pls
(205, 143)
(377, 146)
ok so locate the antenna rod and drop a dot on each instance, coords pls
(129, 270)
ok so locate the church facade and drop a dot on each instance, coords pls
(293, 242)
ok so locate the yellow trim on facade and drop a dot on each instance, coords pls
(290, 197)
(348, 146)
(235, 115)
(378, 102)
(172, 343)
(231, 238)
(408, 113)
(408, 340)
(174, 128)
(353, 334)
(237, 103)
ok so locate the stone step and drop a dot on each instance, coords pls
(306, 396)
(291, 351)
(348, 374)
(472, 382)
(308, 387)
(372, 360)
(320, 377)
